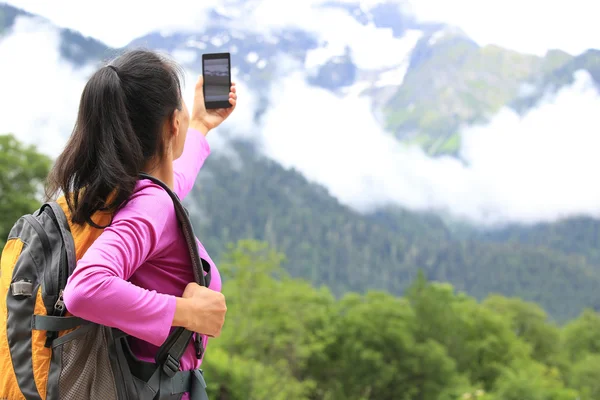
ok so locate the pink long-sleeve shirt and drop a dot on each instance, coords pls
(131, 275)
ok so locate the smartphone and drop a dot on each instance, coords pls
(216, 71)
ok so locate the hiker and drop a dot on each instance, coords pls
(133, 269)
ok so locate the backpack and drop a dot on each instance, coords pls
(48, 354)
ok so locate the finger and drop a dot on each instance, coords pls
(200, 81)
(233, 89)
(232, 102)
(233, 95)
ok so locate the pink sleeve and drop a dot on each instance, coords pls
(187, 166)
(98, 290)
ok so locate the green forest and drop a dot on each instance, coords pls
(291, 333)
(285, 339)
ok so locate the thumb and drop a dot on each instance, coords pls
(199, 107)
(200, 87)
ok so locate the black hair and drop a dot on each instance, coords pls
(119, 130)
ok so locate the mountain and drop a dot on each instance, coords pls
(436, 81)
(8, 15)
(74, 47)
(473, 82)
(441, 83)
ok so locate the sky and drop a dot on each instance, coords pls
(532, 26)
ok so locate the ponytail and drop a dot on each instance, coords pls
(119, 128)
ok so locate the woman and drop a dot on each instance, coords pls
(132, 119)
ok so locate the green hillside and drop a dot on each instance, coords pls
(248, 196)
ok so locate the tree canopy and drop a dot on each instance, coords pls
(23, 170)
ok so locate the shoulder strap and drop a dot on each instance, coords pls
(63, 225)
(170, 353)
(200, 266)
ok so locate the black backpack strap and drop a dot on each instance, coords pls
(63, 225)
(67, 261)
(199, 265)
(169, 354)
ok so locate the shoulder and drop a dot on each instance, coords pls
(149, 205)
(148, 193)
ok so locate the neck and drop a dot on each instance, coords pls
(163, 170)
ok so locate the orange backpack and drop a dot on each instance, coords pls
(47, 353)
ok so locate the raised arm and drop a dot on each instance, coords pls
(187, 166)
(196, 148)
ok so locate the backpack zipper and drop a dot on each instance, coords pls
(59, 306)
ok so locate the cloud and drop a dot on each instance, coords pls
(39, 91)
(530, 26)
(542, 166)
(527, 26)
(537, 168)
(117, 22)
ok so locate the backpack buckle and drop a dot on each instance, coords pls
(198, 346)
(170, 366)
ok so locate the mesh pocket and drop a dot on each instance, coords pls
(85, 368)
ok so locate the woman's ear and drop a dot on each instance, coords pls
(175, 124)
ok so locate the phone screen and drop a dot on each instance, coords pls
(217, 80)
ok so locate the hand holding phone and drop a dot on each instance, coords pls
(208, 113)
(216, 72)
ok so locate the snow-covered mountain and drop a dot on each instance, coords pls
(426, 80)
